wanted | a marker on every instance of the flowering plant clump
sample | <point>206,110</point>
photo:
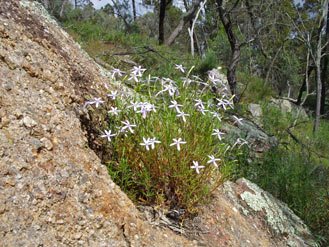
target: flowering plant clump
<point>167,146</point>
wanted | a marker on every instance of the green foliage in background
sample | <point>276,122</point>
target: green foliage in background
<point>293,178</point>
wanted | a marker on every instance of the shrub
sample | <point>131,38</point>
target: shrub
<point>255,91</point>
<point>166,143</point>
<point>209,62</point>
<point>294,179</point>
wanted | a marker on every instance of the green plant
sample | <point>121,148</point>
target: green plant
<point>167,148</point>
<point>209,62</point>
<point>294,179</point>
<point>254,89</point>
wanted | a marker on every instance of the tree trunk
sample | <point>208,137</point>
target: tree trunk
<point>318,67</point>
<point>186,18</point>
<point>231,73</point>
<point>134,9</point>
<point>62,9</point>
<point>318,87</point>
<point>303,87</point>
<point>46,4</point>
<point>75,4</point>
<point>235,50</point>
<point>195,41</point>
<point>324,73</point>
<point>162,14</point>
<point>273,61</point>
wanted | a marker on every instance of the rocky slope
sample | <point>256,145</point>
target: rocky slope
<point>54,190</point>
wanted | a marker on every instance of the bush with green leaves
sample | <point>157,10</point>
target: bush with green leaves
<point>166,144</point>
<point>253,89</point>
<point>293,178</point>
<point>209,62</point>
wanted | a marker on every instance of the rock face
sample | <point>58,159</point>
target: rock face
<point>258,139</point>
<point>242,214</point>
<point>287,107</point>
<point>53,189</point>
<point>256,112</point>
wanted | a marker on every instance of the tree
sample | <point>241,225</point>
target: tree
<point>62,9</point>
<point>311,36</point>
<point>122,10</point>
<point>225,15</point>
<point>134,9</point>
<point>317,60</point>
<point>324,74</point>
<point>162,15</point>
<point>185,19</point>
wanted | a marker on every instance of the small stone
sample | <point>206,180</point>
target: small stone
<point>11,182</point>
<point>2,208</point>
<point>4,122</point>
<point>29,122</point>
<point>81,198</point>
<point>47,143</point>
<point>77,235</point>
<point>8,86</point>
<point>18,113</point>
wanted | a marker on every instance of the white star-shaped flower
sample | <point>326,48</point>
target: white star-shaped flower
<point>146,143</point>
<point>229,103</point>
<point>113,94</point>
<point>196,166</point>
<point>133,77</point>
<point>114,111</point>
<point>177,142</point>
<point>168,87</point>
<point>116,72</point>
<point>138,71</point>
<point>199,103</point>
<point>175,105</point>
<point>180,67</point>
<point>213,160</point>
<point>135,105</point>
<point>218,134</point>
<point>212,78</point>
<point>238,120</point>
<point>153,141</point>
<point>221,104</point>
<point>182,115</point>
<point>96,101</point>
<point>242,141</point>
<point>202,110</point>
<point>108,135</point>
<point>145,107</point>
<point>216,115</point>
<point>128,126</point>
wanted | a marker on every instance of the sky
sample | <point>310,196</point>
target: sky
<point>100,3</point>
<point>140,9</point>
